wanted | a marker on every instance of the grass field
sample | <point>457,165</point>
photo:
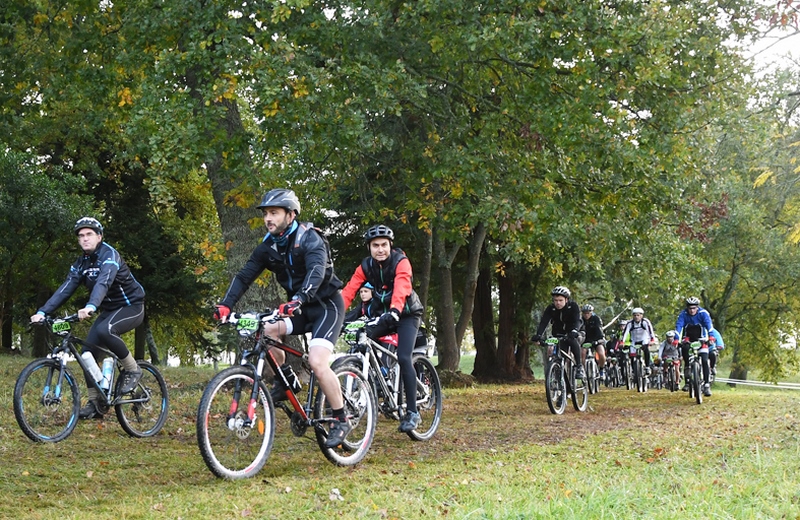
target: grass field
<point>499,453</point>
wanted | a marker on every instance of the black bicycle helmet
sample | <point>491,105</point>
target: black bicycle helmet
<point>560,290</point>
<point>692,300</point>
<point>379,231</point>
<point>88,222</point>
<point>587,308</point>
<point>280,198</point>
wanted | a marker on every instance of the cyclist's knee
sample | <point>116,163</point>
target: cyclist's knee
<point>319,354</point>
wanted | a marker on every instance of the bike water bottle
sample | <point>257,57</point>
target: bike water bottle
<point>108,373</point>
<point>91,365</point>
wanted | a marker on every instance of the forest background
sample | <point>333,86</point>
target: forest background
<point>631,150</point>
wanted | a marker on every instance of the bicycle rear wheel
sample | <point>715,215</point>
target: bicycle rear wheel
<point>362,411</point>
<point>556,388</point>
<point>44,411</point>
<point>231,446</point>
<point>429,399</point>
<point>147,414</point>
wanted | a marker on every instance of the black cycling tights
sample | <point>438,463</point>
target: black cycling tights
<point>110,325</point>
<point>575,347</point>
<point>406,329</point>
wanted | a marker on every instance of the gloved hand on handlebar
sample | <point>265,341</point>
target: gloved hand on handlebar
<point>536,338</point>
<point>573,334</point>
<point>290,308</point>
<point>221,313</point>
<point>390,318</point>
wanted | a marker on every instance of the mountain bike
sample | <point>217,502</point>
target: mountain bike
<point>627,370</point>
<point>236,415</point>
<point>613,372</point>
<point>47,398</point>
<point>696,370</point>
<point>657,377</point>
<point>591,367</point>
<point>672,373</point>
<point>560,378</point>
<point>637,367</point>
<point>378,360</point>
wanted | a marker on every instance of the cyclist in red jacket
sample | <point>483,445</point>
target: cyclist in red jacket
<point>389,272</point>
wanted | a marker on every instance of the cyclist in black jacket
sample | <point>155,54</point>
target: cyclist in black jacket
<point>114,289</point>
<point>299,257</point>
<point>593,329</point>
<point>565,315</point>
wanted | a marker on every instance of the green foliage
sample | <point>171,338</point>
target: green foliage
<point>602,144</point>
<point>38,207</point>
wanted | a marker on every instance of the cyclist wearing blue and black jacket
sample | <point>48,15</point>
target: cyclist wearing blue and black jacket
<point>298,255</point>
<point>694,323</point>
<point>114,290</point>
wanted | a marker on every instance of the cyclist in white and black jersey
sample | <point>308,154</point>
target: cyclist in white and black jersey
<point>640,330</point>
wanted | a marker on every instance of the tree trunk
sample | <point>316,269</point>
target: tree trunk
<point>486,365</point>
<point>738,369</point>
<point>505,326</point>
<point>238,238</point>
<point>471,282</point>
<point>449,355</point>
<point>7,325</point>
<point>424,273</point>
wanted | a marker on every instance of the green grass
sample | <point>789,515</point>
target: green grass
<point>498,454</point>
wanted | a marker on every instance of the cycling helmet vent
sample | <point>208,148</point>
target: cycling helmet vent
<point>280,198</point>
<point>88,222</point>
<point>379,231</point>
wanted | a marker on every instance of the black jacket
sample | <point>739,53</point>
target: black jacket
<point>106,275</point>
<point>593,328</point>
<point>302,265</point>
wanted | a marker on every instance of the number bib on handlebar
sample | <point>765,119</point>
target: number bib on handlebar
<point>699,346</point>
<point>247,325</point>
<point>61,327</point>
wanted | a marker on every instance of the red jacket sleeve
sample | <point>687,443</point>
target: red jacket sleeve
<point>402,284</point>
<point>351,289</point>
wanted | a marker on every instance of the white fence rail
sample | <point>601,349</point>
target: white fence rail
<point>786,386</point>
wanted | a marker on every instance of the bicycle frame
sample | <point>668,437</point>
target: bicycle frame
<point>67,347</point>
<point>263,353</point>
<point>562,354</point>
<point>369,350</point>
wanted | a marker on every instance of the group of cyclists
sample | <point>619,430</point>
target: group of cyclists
<point>580,326</point>
<point>299,256</point>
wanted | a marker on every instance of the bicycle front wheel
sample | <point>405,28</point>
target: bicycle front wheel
<point>591,374</point>
<point>144,412</point>
<point>232,446</point>
<point>697,382</point>
<point>45,411</point>
<point>361,410</point>
<point>556,388</point>
<point>429,399</point>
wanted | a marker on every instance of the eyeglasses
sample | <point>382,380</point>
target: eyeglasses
<point>692,308</point>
